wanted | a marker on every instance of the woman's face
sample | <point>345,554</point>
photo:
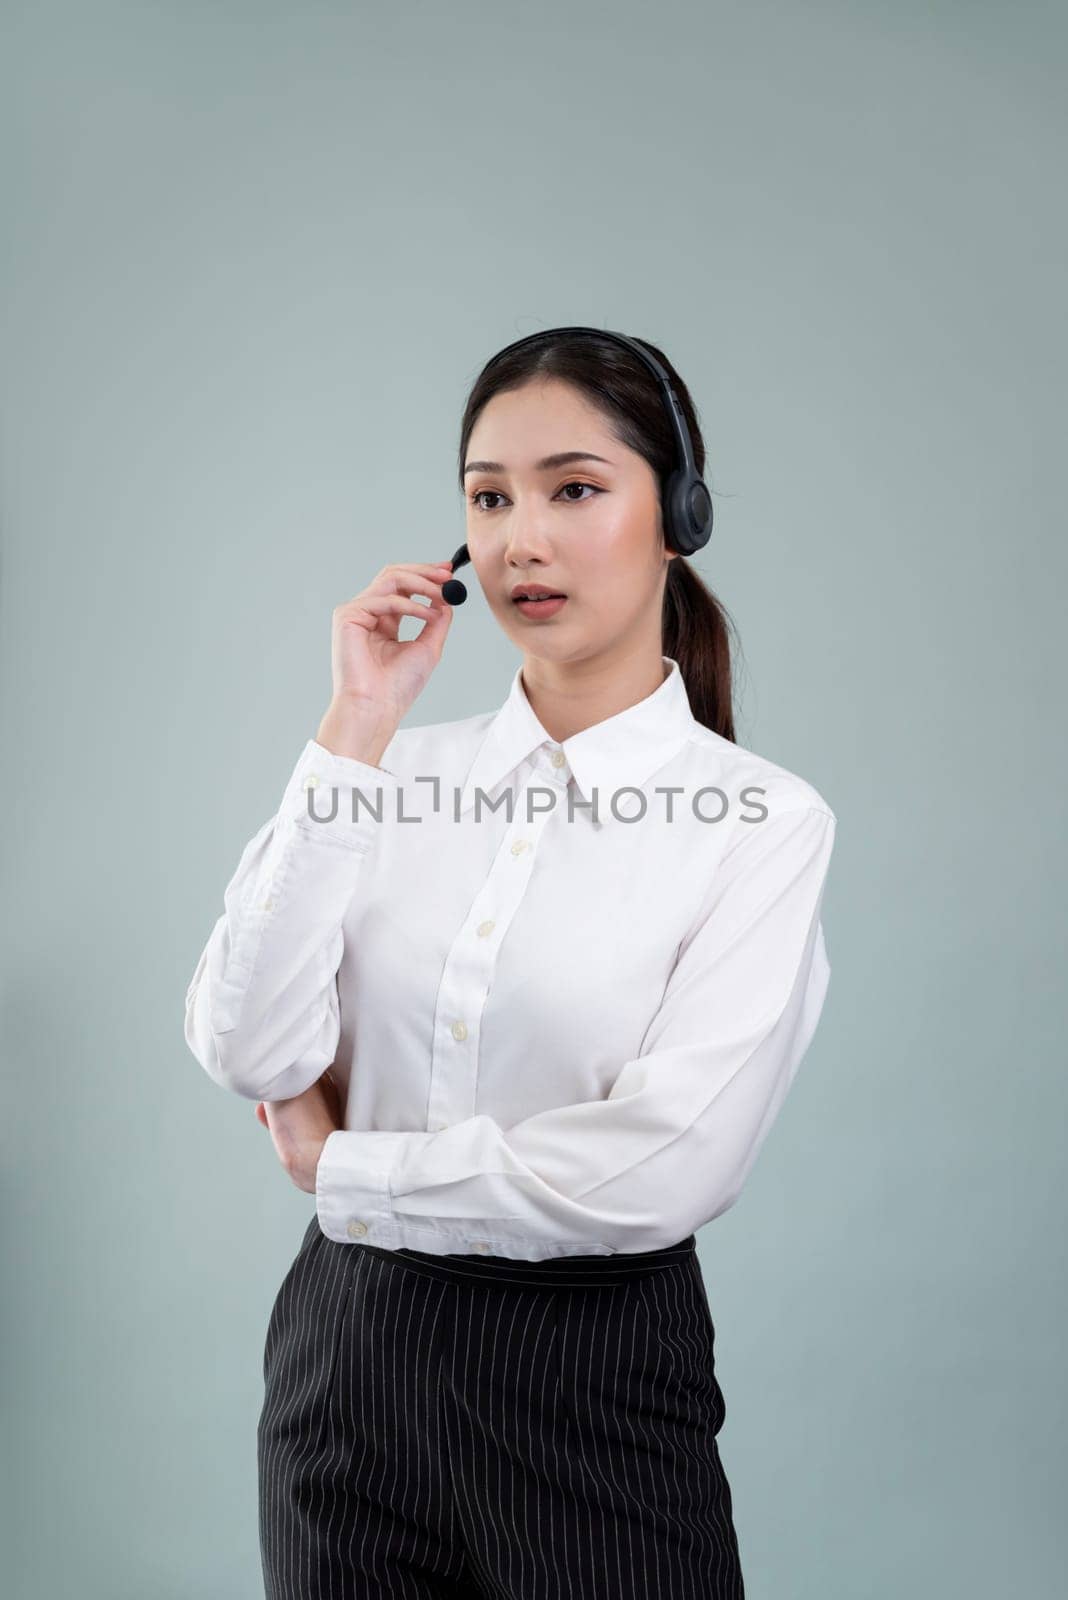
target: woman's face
<point>587,528</point>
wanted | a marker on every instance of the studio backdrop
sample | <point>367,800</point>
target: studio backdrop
<point>254,256</point>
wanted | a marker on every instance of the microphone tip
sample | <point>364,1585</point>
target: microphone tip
<point>453,592</point>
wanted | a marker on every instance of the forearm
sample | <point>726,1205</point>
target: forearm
<point>262,1013</point>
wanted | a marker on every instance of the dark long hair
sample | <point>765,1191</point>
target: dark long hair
<point>696,627</point>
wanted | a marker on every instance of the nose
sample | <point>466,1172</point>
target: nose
<point>526,540</point>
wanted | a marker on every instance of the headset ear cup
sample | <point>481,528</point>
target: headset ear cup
<point>674,522</point>
<point>700,508</point>
<point>687,513</point>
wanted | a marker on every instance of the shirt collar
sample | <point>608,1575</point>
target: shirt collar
<point>625,749</point>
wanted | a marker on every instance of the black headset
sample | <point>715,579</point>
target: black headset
<point>687,504</point>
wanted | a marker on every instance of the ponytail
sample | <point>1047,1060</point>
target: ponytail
<point>697,634</point>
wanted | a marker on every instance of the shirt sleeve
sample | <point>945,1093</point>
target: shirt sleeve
<point>261,1011</point>
<point>671,1144</point>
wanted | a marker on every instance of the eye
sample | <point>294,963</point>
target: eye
<point>579,485</point>
<point>475,499</point>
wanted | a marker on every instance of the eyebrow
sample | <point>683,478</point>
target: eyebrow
<point>561,459</point>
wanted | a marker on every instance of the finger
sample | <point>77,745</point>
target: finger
<point>411,572</point>
<point>390,605</point>
<point>429,567</point>
<point>407,580</point>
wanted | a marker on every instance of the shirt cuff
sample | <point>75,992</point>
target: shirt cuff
<point>337,799</point>
<point>352,1195</point>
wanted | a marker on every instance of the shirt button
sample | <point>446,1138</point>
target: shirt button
<point>268,903</point>
<point>311,780</point>
<point>459,1030</point>
<point>519,846</point>
<point>558,758</point>
<point>486,927</point>
<point>356,1230</point>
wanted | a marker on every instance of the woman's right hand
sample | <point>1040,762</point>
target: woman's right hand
<point>378,677</point>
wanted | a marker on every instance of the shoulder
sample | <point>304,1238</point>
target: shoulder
<point>748,778</point>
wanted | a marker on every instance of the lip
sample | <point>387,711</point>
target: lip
<point>540,610</point>
<point>534,590</point>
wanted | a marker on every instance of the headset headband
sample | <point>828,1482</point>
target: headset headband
<point>678,421</point>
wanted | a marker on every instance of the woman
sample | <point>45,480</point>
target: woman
<point>519,997</point>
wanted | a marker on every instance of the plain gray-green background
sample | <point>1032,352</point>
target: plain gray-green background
<point>253,255</point>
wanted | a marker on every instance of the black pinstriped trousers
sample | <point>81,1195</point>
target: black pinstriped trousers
<point>474,1426</point>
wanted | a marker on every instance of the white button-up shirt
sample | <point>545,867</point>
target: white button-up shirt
<point>564,988</point>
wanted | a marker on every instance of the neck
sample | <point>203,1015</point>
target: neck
<point>569,696</point>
